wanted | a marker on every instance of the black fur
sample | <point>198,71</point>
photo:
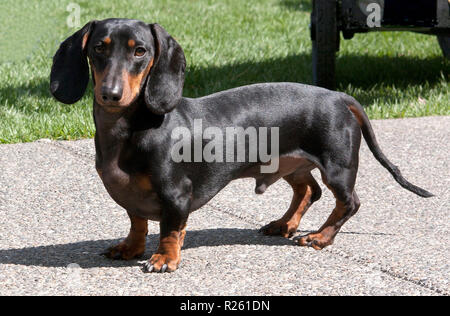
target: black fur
<point>318,128</point>
<point>70,71</point>
<point>164,91</point>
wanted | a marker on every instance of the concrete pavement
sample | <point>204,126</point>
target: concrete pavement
<point>56,217</point>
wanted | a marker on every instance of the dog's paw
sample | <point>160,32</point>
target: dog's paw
<point>124,251</point>
<point>279,228</point>
<point>317,241</point>
<point>161,263</point>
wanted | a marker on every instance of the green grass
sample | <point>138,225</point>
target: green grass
<point>228,43</point>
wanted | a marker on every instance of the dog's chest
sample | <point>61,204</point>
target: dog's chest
<point>132,190</point>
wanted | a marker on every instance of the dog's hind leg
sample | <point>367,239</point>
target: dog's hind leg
<point>306,192</point>
<point>347,204</point>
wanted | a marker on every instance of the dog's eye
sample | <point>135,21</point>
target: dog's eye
<point>139,52</point>
<point>99,49</point>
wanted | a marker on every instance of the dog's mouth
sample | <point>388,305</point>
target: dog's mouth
<point>122,94</point>
<point>113,108</point>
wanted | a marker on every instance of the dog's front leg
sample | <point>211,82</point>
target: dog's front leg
<point>172,226</point>
<point>168,256</point>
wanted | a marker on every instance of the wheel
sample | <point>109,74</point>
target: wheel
<point>325,42</point>
<point>444,42</point>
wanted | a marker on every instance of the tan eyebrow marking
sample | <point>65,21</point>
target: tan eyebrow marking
<point>107,41</point>
<point>131,43</point>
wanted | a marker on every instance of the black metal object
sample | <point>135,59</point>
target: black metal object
<point>444,42</point>
<point>331,17</point>
<point>419,13</point>
<point>325,38</point>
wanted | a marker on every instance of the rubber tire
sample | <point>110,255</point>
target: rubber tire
<point>325,43</point>
<point>444,42</point>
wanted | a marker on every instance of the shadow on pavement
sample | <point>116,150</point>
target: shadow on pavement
<point>87,253</point>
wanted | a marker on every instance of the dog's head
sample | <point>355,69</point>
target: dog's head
<point>127,58</point>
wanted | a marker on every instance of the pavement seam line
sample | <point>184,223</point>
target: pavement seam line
<point>79,153</point>
<point>3,197</point>
<point>242,218</point>
<point>386,270</point>
<point>86,157</point>
<point>358,260</point>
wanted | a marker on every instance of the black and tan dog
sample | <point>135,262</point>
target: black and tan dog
<point>138,73</point>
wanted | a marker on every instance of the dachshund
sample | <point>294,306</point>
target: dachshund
<point>138,73</point>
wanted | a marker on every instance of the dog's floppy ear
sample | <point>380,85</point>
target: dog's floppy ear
<point>70,71</point>
<point>164,86</point>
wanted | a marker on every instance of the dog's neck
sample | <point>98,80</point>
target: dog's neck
<point>136,117</point>
<point>114,129</point>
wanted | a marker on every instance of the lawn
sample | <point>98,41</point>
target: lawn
<point>228,43</point>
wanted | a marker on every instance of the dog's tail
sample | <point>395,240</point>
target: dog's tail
<point>371,141</point>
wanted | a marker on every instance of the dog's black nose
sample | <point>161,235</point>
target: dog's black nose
<point>111,94</point>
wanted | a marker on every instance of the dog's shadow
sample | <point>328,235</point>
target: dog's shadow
<point>87,254</point>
